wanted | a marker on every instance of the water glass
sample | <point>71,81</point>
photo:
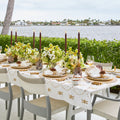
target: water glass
<point>107,66</point>
<point>90,60</point>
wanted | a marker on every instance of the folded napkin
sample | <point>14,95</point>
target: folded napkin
<point>93,71</point>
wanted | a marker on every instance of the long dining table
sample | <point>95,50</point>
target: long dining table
<point>79,95</point>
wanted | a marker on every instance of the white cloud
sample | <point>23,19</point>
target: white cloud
<point>55,10</point>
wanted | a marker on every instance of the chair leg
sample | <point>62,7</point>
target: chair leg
<point>28,98</point>
<point>108,92</point>
<point>34,117</point>
<point>22,110</point>
<point>18,107</point>
<point>73,117</point>
<point>118,95</point>
<point>6,105</point>
<point>6,100</point>
<point>38,96</point>
<point>48,118</point>
<point>88,115</point>
<point>9,109</point>
<point>69,113</point>
<point>34,96</point>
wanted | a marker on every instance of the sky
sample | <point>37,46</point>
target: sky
<point>46,10</point>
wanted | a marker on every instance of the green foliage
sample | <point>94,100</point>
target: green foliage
<point>103,51</point>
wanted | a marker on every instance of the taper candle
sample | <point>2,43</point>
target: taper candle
<point>40,42</point>
<point>11,37</point>
<point>65,42</point>
<point>33,39</point>
<point>16,36</point>
<point>78,44</point>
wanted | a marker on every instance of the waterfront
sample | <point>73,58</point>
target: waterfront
<point>91,32</point>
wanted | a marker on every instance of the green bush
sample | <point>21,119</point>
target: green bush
<point>103,51</point>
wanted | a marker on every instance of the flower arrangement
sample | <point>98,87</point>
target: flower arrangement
<point>33,56</point>
<point>22,51</point>
<point>71,59</point>
<point>51,55</point>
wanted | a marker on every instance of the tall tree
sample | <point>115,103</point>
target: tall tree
<point>8,17</point>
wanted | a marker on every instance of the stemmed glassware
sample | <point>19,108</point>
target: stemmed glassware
<point>90,60</point>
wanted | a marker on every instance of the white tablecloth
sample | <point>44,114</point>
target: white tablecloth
<point>75,95</point>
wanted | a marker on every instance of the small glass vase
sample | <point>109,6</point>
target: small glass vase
<point>12,59</point>
<point>51,67</point>
<point>39,65</point>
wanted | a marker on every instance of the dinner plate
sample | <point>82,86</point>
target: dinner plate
<point>3,59</point>
<point>20,67</point>
<point>54,76</point>
<point>105,78</point>
<point>100,80</point>
<point>5,65</point>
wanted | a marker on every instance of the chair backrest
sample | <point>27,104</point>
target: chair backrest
<point>32,85</point>
<point>4,75</point>
<point>13,78</point>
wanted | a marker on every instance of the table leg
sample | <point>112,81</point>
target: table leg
<point>69,113</point>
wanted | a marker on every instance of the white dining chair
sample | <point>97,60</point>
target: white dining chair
<point>108,108</point>
<point>10,92</point>
<point>43,106</point>
<point>106,67</point>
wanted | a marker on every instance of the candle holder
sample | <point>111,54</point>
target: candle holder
<point>39,64</point>
<point>78,69</point>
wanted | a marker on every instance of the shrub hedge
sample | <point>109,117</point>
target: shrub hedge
<point>103,51</point>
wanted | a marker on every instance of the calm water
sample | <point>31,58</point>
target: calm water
<point>91,32</point>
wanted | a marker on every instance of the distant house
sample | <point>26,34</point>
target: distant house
<point>20,23</point>
<point>77,24</point>
<point>55,23</point>
<point>101,24</point>
<point>83,24</point>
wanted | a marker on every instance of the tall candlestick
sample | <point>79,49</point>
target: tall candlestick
<point>33,39</point>
<point>16,36</point>
<point>65,42</point>
<point>40,42</point>
<point>11,37</point>
<point>78,45</point>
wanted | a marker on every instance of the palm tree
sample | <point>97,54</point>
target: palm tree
<point>8,17</point>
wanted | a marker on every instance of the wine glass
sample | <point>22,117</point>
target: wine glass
<point>0,49</point>
<point>90,60</point>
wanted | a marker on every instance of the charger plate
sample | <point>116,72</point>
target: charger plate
<point>105,78</point>
<point>54,76</point>
<point>3,60</point>
<point>101,80</point>
<point>6,65</point>
<point>20,67</point>
<point>23,69</point>
<point>60,79</point>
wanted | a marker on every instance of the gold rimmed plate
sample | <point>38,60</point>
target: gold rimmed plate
<point>100,80</point>
<point>20,67</point>
<point>54,76</point>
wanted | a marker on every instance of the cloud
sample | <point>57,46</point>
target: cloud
<point>54,9</point>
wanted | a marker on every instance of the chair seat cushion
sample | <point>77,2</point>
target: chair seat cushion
<point>56,105</point>
<point>15,90</point>
<point>108,109</point>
